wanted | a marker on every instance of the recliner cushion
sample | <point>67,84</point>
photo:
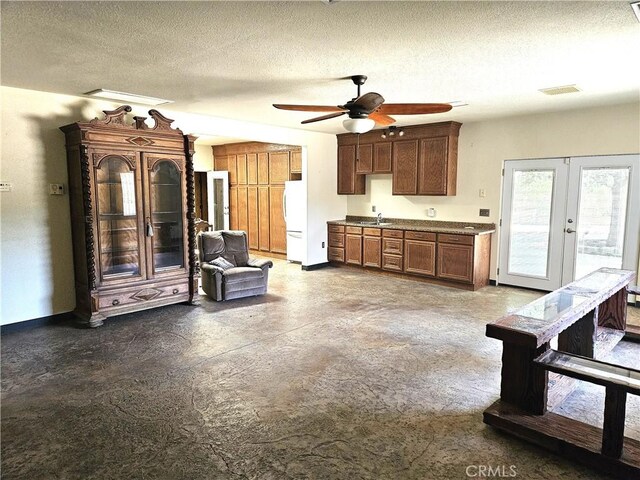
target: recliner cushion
<point>236,246</point>
<point>241,274</point>
<point>212,245</point>
<point>222,263</point>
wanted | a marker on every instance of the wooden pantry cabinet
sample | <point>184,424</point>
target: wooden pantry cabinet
<point>257,172</point>
<point>423,161</point>
<point>131,192</point>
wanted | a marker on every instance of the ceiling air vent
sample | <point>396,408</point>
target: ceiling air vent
<point>560,90</point>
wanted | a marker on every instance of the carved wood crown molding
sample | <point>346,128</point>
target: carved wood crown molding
<point>116,118</point>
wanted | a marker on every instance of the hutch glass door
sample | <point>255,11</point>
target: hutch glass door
<point>166,216</point>
<point>119,246</point>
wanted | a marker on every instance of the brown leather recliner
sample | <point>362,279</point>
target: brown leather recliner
<point>227,270</point>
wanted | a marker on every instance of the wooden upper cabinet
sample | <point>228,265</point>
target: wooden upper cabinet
<point>364,159</point>
<point>278,167</point>
<point>405,167</point>
<point>220,162</point>
<point>243,215</point>
<point>348,182</point>
<point>434,168</point>
<point>241,169</point>
<point>382,157</point>
<point>263,169</point>
<point>232,168</point>
<point>296,161</point>
<point>252,169</point>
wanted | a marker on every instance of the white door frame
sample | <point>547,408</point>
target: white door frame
<point>224,176</point>
<point>552,279</point>
<point>632,224</point>
<point>564,212</point>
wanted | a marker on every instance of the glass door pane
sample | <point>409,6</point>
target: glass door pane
<point>167,216</point>
<point>119,249</point>
<point>602,213</point>
<point>218,191</point>
<point>530,222</point>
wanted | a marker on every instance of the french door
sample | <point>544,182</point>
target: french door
<point>562,218</point>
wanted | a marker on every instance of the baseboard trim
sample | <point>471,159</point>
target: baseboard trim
<point>35,323</point>
<point>316,266</point>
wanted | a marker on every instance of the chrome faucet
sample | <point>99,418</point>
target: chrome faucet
<point>379,219</point>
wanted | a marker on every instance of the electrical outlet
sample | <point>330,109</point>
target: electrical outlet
<point>56,189</point>
<point>484,212</point>
<point>322,244</point>
<point>373,208</point>
<point>6,187</point>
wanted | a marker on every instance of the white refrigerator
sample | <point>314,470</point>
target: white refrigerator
<point>294,216</point>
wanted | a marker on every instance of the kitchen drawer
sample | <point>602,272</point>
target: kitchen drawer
<point>392,262</point>
<point>336,240</point>
<point>427,236</point>
<point>392,245</point>
<point>336,254</point>
<point>140,295</point>
<point>354,230</point>
<point>336,228</point>
<point>457,239</point>
<point>371,232</point>
<point>392,233</point>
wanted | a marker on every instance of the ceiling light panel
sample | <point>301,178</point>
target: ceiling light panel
<point>560,90</point>
<point>127,97</point>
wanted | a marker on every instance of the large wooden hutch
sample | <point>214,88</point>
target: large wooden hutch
<point>132,203</point>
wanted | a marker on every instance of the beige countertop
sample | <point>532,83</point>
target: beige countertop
<point>456,228</point>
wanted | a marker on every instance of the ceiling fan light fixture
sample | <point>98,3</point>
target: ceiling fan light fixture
<point>358,125</point>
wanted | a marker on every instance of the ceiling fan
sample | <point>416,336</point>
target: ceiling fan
<point>366,110</point>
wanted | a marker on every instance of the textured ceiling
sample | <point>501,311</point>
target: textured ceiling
<point>235,59</point>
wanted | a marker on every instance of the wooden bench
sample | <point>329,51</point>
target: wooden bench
<point>617,380</point>
<point>588,318</point>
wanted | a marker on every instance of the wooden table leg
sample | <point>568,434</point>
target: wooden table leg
<point>612,313</point>
<point>523,383</point>
<point>613,427</point>
<point>580,337</point>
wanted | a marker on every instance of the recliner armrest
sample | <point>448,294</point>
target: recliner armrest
<point>259,263</point>
<point>211,269</point>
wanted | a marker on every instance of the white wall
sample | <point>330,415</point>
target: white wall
<point>36,261</point>
<point>483,147</point>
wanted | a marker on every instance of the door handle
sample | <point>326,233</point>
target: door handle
<point>570,230</point>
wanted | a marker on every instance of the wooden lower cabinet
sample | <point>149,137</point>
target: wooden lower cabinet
<point>277,226</point>
<point>263,219</point>
<point>353,248</point>
<point>253,215</point>
<point>420,257</point>
<point>371,252</point>
<point>461,260</point>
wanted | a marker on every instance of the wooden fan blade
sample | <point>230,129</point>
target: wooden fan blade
<point>309,108</point>
<point>414,108</point>
<point>367,102</point>
<point>324,117</point>
<point>381,118</point>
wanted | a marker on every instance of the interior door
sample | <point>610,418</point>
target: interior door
<point>566,217</point>
<point>218,201</point>
<point>533,218</point>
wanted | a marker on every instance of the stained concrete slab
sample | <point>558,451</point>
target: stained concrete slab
<point>334,374</point>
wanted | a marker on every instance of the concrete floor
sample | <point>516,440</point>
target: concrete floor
<point>334,374</point>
